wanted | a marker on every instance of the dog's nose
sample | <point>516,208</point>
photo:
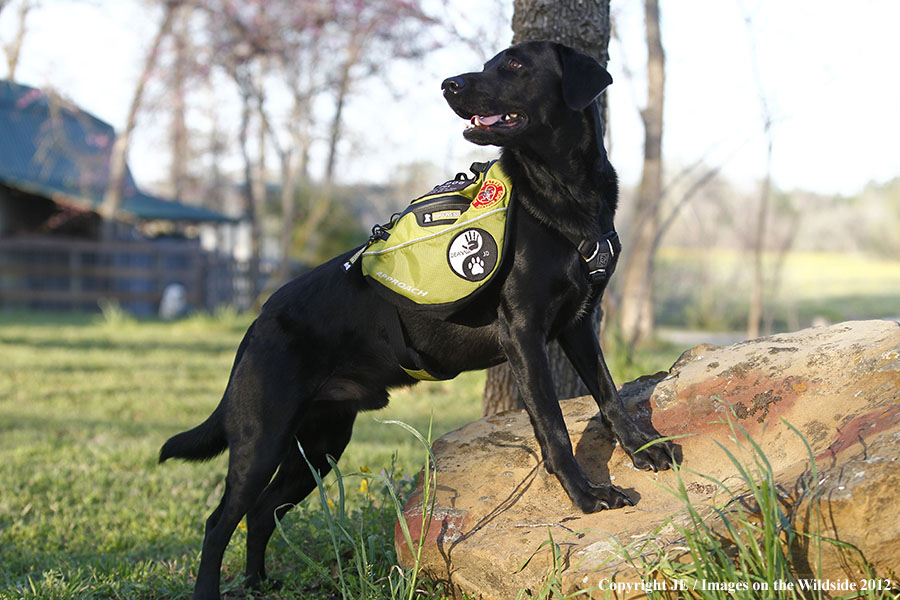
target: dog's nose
<point>453,84</point>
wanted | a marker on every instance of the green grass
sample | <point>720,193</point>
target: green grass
<point>709,290</point>
<point>85,403</point>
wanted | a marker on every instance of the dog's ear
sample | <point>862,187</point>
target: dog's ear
<point>582,78</point>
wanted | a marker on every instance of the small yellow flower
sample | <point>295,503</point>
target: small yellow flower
<point>242,525</point>
<point>330,503</point>
<point>365,469</point>
<point>364,486</point>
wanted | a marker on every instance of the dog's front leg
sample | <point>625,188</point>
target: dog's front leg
<point>526,351</point>
<point>582,348</point>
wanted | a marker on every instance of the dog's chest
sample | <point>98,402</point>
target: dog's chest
<point>550,278</point>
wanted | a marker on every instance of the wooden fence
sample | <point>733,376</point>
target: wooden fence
<point>43,272</point>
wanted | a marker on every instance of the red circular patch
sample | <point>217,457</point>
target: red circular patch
<point>490,193</point>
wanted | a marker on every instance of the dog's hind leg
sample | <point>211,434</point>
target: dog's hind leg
<point>250,468</point>
<point>263,404</point>
<point>583,350</point>
<point>321,434</point>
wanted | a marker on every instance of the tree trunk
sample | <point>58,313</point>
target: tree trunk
<point>335,133</point>
<point>251,201</point>
<point>289,183</point>
<point>755,312</point>
<point>636,306</point>
<point>294,169</point>
<point>584,26</point>
<point>112,198</point>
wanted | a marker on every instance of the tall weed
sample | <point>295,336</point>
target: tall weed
<point>749,545</point>
<point>366,564</point>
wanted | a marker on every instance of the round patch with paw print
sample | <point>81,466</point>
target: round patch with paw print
<point>472,254</point>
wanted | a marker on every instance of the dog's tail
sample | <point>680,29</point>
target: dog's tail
<point>203,442</point>
<point>207,440</point>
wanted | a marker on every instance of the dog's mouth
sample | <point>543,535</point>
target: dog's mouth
<point>494,129</point>
<point>496,122</point>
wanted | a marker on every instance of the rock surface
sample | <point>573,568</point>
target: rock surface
<point>840,386</point>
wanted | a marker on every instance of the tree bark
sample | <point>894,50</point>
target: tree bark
<point>584,26</point>
<point>636,306</point>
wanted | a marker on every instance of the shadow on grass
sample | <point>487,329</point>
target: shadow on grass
<point>138,346</point>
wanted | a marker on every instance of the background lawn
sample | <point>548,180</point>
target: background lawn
<point>710,291</point>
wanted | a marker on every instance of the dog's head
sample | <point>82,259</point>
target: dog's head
<point>525,90</point>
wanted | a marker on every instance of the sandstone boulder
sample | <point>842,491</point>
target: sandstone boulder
<point>496,507</point>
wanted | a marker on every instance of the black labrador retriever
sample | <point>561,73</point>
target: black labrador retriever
<point>319,351</point>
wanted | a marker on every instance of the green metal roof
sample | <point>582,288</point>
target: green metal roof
<point>51,148</point>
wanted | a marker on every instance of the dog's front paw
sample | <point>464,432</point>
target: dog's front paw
<point>658,457</point>
<point>600,496</point>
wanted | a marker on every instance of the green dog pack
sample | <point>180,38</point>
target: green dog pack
<point>445,246</point>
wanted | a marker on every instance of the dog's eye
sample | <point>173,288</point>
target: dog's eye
<point>514,64</point>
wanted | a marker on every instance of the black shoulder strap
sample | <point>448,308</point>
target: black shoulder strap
<point>408,359</point>
<point>600,256</point>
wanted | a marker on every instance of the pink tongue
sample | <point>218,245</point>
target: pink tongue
<point>487,121</point>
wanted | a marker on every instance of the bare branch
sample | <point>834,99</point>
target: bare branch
<point>14,48</point>
<point>112,198</point>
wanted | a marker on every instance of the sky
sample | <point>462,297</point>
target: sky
<point>827,70</point>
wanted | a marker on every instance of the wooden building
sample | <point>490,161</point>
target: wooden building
<point>54,162</point>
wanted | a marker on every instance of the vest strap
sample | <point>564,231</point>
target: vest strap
<point>600,256</point>
<point>410,360</point>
